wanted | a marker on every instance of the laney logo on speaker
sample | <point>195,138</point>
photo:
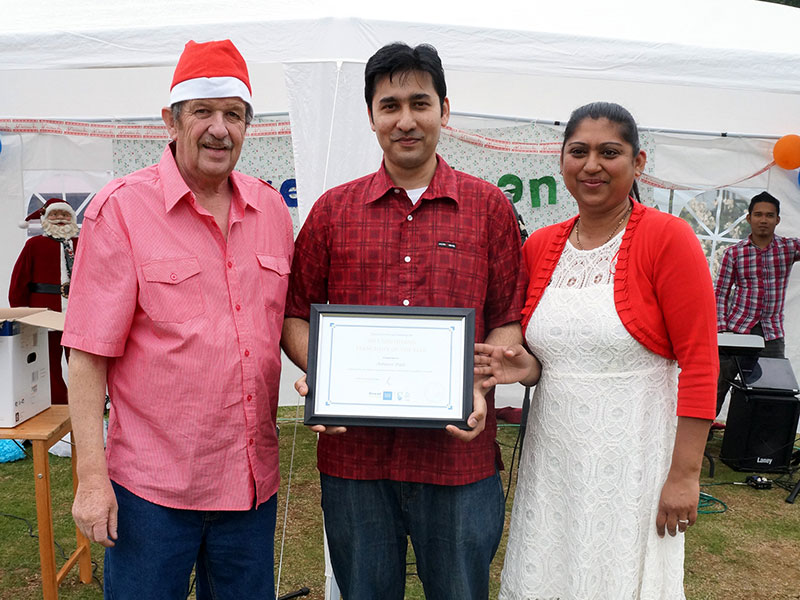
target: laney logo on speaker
<point>761,460</point>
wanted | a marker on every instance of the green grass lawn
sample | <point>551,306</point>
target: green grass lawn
<point>750,551</point>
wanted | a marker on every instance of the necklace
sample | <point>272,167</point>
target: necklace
<point>610,235</point>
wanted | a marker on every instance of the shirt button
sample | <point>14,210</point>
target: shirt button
<point>252,441</point>
<point>173,276</point>
<point>407,259</point>
<point>406,303</point>
<point>410,218</point>
<point>230,264</point>
<point>396,191</point>
<point>247,352</point>
<point>238,307</point>
<point>249,397</point>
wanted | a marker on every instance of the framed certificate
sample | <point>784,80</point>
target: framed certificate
<point>390,366</point>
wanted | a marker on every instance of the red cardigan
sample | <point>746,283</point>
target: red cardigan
<point>662,292</point>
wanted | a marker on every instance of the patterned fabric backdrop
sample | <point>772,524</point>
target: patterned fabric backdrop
<point>267,156</point>
<point>523,161</point>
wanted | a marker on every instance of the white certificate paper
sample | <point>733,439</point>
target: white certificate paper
<point>391,366</point>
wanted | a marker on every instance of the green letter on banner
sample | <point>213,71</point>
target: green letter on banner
<point>536,185</point>
<point>511,179</point>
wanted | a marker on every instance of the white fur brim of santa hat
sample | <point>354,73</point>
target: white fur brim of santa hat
<point>210,87</point>
<point>58,206</point>
<point>210,70</point>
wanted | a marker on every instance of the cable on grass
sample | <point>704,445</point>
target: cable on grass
<point>708,505</point>
<point>64,556</point>
<point>511,466</point>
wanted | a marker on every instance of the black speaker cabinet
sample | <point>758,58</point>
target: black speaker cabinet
<point>760,432</point>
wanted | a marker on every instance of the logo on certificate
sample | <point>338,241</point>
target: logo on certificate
<point>387,396</point>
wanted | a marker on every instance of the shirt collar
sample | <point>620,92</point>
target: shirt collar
<point>749,241</point>
<point>443,185</point>
<point>175,188</point>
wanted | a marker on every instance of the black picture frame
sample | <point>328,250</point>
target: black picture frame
<point>331,377</point>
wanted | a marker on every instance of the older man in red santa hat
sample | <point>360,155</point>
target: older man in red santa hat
<point>176,308</point>
<point>42,273</point>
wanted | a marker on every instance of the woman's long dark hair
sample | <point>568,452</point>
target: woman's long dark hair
<point>614,113</point>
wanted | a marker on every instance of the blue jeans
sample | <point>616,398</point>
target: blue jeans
<point>455,532</point>
<point>157,547</point>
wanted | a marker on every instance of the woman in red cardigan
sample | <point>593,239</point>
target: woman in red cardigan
<point>620,314</point>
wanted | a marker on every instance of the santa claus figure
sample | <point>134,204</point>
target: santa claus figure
<point>42,273</point>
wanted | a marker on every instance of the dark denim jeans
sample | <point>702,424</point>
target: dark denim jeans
<point>157,547</point>
<point>455,531</point>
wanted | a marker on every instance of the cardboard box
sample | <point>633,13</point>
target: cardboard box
<point>25,362</point>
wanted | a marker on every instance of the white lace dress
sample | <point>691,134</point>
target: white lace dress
<point>597,451</point>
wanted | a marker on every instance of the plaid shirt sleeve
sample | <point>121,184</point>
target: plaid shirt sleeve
<point>308,280</point>
<point>722,288</point>
<point>507,279</point>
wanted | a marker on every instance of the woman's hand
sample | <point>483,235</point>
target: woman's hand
<point>677,507</point>
<point>505,364</point>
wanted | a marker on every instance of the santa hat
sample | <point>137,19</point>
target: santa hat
<point>48,207</point>
<point>210,70</point>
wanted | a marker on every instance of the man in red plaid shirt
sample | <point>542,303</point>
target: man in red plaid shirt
<point>751,285</point>
<point>415,233</point>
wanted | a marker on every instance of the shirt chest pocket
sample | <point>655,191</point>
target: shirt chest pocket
<point>462,267</point>
<point>172,291</point>
<point>274,280</point>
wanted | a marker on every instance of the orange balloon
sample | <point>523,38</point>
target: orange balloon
<point>787,152</point>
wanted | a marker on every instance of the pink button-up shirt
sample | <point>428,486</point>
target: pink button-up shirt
<point>191,324</point>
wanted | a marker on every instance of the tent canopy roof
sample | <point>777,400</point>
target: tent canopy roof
<point>747,25</point>
<point>524,59</point>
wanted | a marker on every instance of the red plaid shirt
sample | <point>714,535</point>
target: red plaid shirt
<point>751,285</point>
<point>365,243</point>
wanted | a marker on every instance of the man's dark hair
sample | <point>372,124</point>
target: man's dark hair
<point>765,197</point>
<point>401,59</point>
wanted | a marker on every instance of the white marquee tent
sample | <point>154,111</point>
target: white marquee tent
<point>719,66</point>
